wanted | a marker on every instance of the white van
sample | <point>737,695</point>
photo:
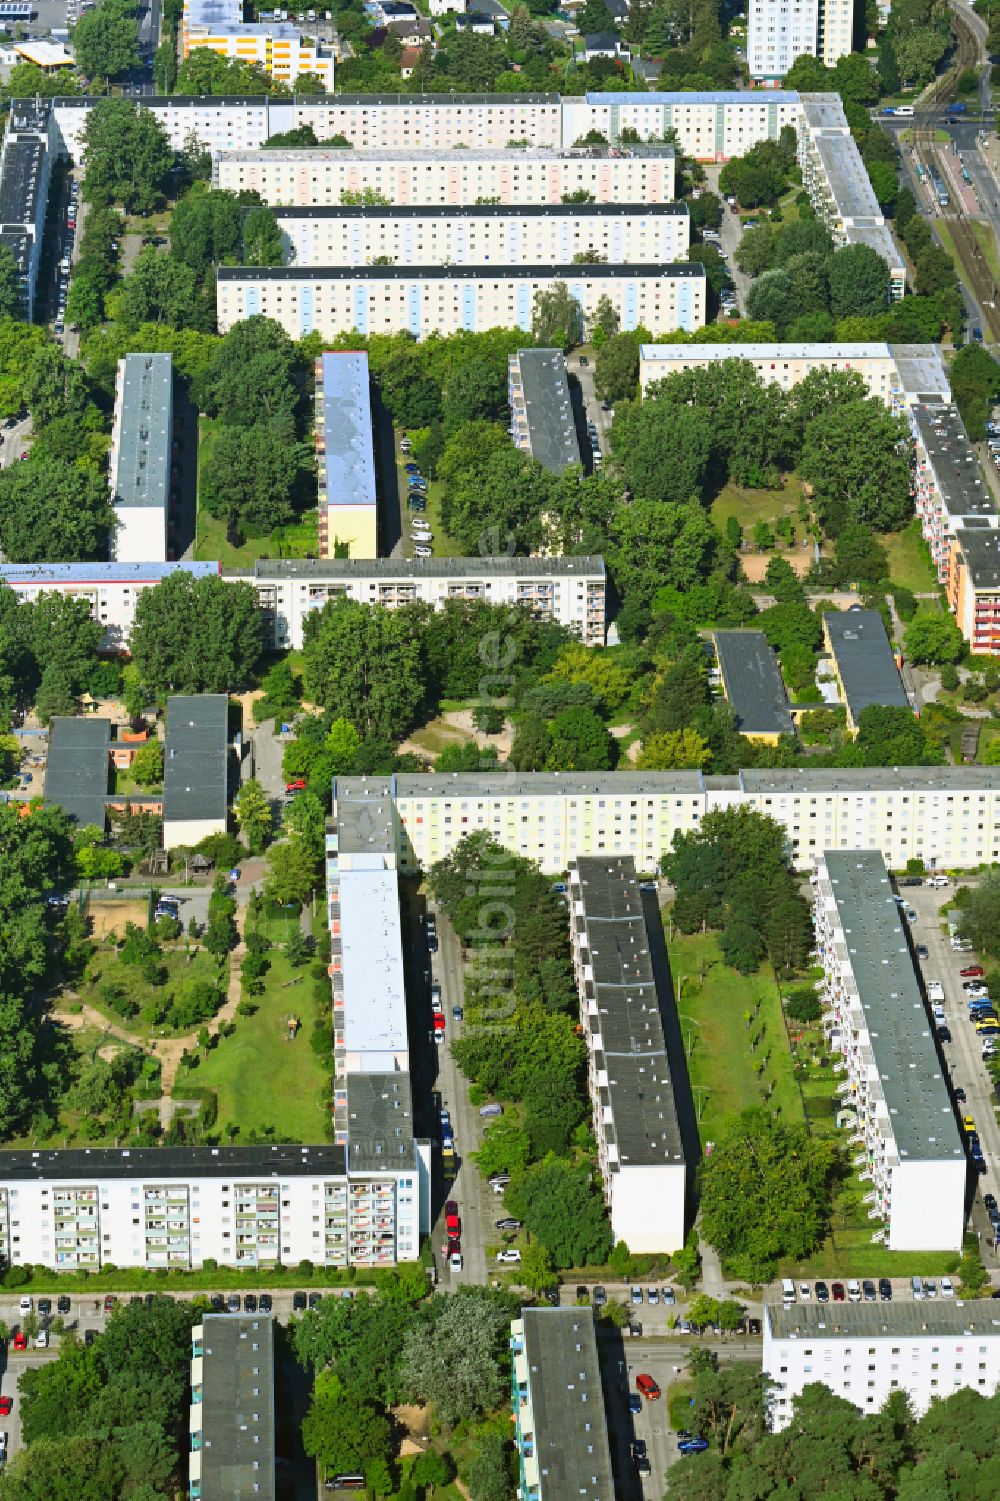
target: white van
<point>917,1288</point>
<point>787,1291</point>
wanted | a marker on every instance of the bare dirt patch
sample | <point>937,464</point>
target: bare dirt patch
<point>108,919</point>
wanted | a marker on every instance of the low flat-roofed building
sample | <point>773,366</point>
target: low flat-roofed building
<point>634,1110</point>
<point>542,409</point>
<point>348,500</point>
<point>77,768</point>
<point>195,768</point>
<point>875,1015</point>
<point>560,1424</point>
<point>926,1349</point>
<point>232,1421</point>
<point>752,683</point>
<point>140,457</point>
<point>864,662</point>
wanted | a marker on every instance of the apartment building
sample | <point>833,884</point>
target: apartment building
<point>904,1127</point>
<point>753,686</point>
<point>277,47</point>
<point>864,663</point>
<point>974,586</point>
<point>710,126</point>
<point>486,234</point>
<point>837,182</point>
<point>456,178</point>
<point>345,457</point>
<point>541,408</point>
<point>446,299</point>
<point>779,31</point>
<point>139,462</point>
<point>951,493</point>
<point>901,375</point>
<point>232,1418</point>
<point>946,816</point>
<point>560,1423</point>
<point>863,1352</point>
<point>623,996</point>
<point>26,156</point>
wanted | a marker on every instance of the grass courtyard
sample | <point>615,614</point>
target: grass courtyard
<point>106,971</point>
<point>910,559</point>
<point>211,543</point>
<point>263,1078</point>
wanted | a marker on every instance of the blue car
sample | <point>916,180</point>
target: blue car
<point>634,1402</point>
<point>693,1445</point>
<point>412,468</point>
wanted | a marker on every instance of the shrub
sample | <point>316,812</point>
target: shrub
<point>803,1006</point>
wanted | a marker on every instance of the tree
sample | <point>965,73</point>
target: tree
<point>652,545</point>
<point>580,742</point>
<point>256,376</point>
<point>594,19</point>
<point>489,1472</point>
<point>616,372</point>
<point>459,1366</point>
<point>51,510</point>
<point>147,765</point>
<point>205,229</point>
<point>160,289</point>
<point>363,664</point>
<point>933,639</point>
<point>291,872</point>
<point>253,478</point>
<point>253,815</point>
<point>559,1205</point>
<point>263,244</point>
<point>195,635</point>
<point>674,750</point>
<point>11,299</point>
<point>127,155</point>
<point>859,282</point>
<point>106,40</point>
<point>663,448</point>
<point>783,1178</point>
<point>855,457</point>
<point>557,318</point>
<point>537,1272</point>
<point>342,1434</point>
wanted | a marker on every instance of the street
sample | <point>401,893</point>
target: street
<point>731,231</point>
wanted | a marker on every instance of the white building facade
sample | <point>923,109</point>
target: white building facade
<point>904,1127</point>
<point>444,300</point>
<point>864,1352</point>
<point>779,31</point>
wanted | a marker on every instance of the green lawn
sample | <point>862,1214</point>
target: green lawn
<point>713,1001</point>
<point>212,544</point>
<point>107,968</point>
<point>750,506</point>
<point>261,1078</point>
<point>910,559</point>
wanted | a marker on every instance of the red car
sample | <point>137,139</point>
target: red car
<point>972,972</point>
<point>299,785</point>
<point>838,1292</point>
<point>648,1387</point>
<point>20,1340</point>
<point>453,1225</point>
<point>6,1406</point>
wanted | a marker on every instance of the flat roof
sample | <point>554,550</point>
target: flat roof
<point>344,449</point>
<point>960,480</point>
<point>77,768</point>
<point>865,661</point>
<point>548,409</point>
<point>485,211</point>
<point>237,1407</point>
<point>675,270</point>
<point>921,1115</point>
<point>474,154</point>
<point>366,825</point>
<point>846,175</point>
<point>371,940</point>
<point>981,551</point>
<point>857,780</point>
<point>640,1093</point>
<point>763,99</point>
<point>710,352</point>
<point>196,762</point>
<point>417,568</point>
<point>20,178</point>
<point>570,1423</point>
<point>877,237</point>
<point>380,1122</point>
<point>941,1316</point>
<point>100,573</point>
<point>921,370</point>
<point>213,12</point>
<point>753,683</point>
<point>823,112</point>
<point>144,419</point>
<point>45,54</point>
<point>88,1164</point>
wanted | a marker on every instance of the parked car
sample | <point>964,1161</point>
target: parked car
<point>822,1293</point>
<point>509,1224</point>
<point>649,1388</point>
<point>45,1307</point>
<point>885,1289</point>
<point>636,1295</point>
<point>600,1296</point>
<point>634,1402</point>
<point>513,1256</point>
<point>868,1289</point>
<point>250,1303</point>
<point>26,1306</point>
<point>972,972</point>
<point>63,1303</point>
<point>692,1445</point>
<point>947,1288</point>
<point>6,1406</point>
<point>20,1340</point>
<point>298,1302</point>
<point>838,1292</point>
<point>233,1303</point>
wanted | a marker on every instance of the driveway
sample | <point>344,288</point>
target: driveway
<point>731,231</point>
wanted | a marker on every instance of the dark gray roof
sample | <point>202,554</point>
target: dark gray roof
<point>195,765</point>
<point>753,683</point>
<point>605,40</point>
<point>420,568</point>
<point>18,242</point>
<point>909,1071</point>
<point>639,1094</point>
<point>77,767</point>
<point>668,270</point>
<point>237,1407</point>
<point>865,663</point>
<point>548,409</point>
<point>570,1422</point>
<point>379,1123</point>
<point>981,551</point>
<point>962,486</point>
<point>20,179</point>
<point>899,1318</point>
<point>92,1163</point>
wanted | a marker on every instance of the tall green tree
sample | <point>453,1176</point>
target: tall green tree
<point>127,155</point>
<point>253,815</point>
<point>363,664</point>
<point>196,635</point>
<point>106,40</point>
<point>53,511</point>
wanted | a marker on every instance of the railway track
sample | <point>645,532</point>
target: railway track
<point>974,266</point>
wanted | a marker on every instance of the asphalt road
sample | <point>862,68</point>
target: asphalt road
<point>963,1058</point>
<point>15,442</point>
<point>731,232</point>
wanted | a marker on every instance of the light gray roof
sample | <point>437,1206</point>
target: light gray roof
<point>237,1407</point>
<point>877,237</point>
<point>345,456</point>
<point>365,825</point>
<point>823,112</point>
<point>865,662</point>
<point>142,473</point>
<point>753,683</point>
<point>420,568</point>
<point>921,370</point>
<point>921,1115</point>
<point>845,172</point>
<point>570,1427</point>
<point>195,767</point>
<point>548,409</point>
<point>941,1317</point>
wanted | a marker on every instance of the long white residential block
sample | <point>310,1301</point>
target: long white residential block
<point>875,1015</point>
<point>444,300</point>
<point>486,235</point>
<point>459,178</point>
<point>139,461</point>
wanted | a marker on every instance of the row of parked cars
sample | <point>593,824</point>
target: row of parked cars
<point>67,257</point>
<point>416,501</point>
<point>855,1292</point>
